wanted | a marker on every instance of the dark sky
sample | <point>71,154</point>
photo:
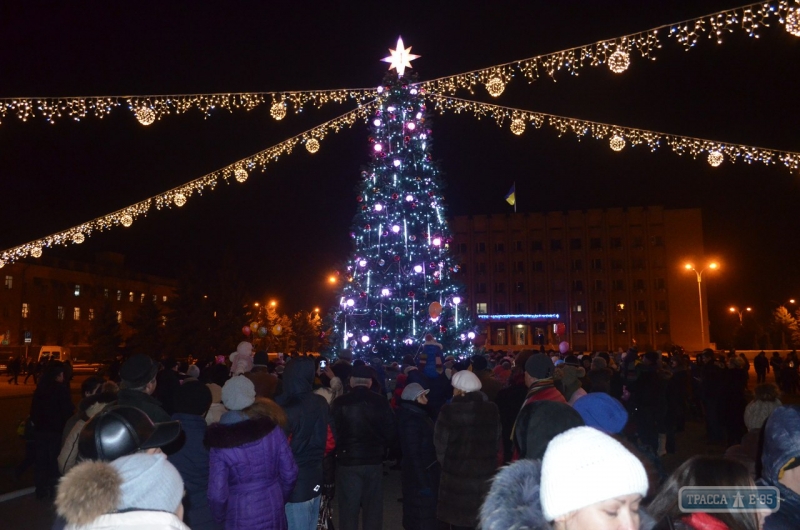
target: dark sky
<point>289,226</point>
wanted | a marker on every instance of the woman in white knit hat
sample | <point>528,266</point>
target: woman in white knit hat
<point>571,487</point>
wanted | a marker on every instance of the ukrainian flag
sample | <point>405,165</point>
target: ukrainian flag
<point>511,196</point>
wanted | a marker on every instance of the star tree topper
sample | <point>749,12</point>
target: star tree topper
<point>400,57</point>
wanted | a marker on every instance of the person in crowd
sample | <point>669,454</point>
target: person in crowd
<point>776,361</point>
<point>603,412</point>
<point>510,400</point>
<point>540,422</point>
<point>539,372</point>
<point>14,368</point>
<point>309,432</point>
<point>468,448</point>
<point>89,406</point>
<point>489,385</point>
<point>568,381</point>
<point>139,491</point>
<point>332,387</point>
<point>191,403</point>
<point>217,409</point>
<point>267,385</point>
<point>51,407</point>
<point>90,386</point>
<point>376,363</point>
<point>68,371</point>
<point>761,365</point>
<point>734,387</point>
<point>708,471</point>
<point>649,399</point>
<point>242,358</point>
<point>192,373</point>
<point>343,367</point>
<point>434,380</point>
<point>789,373</point>
<point>365,426</point>
<point>138,375</point>
<point>755,416</point>
<point>780,465</point>
<point>599,376</point>
<point>31,370</point>
<point>678,388</point>
<point>251,468</point>
<point>420,470</point>
<point>628,370</point>
<point>431,356</point>
<point>571,488</point>
<point>745,362</point>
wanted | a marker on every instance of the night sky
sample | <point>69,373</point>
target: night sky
<point>288,227</point>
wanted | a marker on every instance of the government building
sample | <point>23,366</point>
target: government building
<point>597,279</point>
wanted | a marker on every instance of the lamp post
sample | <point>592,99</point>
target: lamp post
<point>734,309</point>
<point>713,266</point>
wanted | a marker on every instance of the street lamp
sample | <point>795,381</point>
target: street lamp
<point>713,266</point>
<point>734,309</point>
<point>273,303</point>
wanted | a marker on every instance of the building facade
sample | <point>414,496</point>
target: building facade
<point>53,301</point>
<point>597,279</point>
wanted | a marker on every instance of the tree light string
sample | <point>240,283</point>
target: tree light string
<point>148,109</point>
<point>633,136</point>
<point>179,195</point>
<point>688,33</point>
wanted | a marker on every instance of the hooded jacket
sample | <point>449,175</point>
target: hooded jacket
<point>781,447</point>
<point>513,500</point>
<point>307,427</point>
<point>90,406</point>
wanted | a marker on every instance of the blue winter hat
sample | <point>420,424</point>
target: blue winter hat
<point>603,412</point>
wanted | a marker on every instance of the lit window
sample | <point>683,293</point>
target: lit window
<point>105,293</point>
<point>25,310</point>
<point>76,313</point>
<point>141,299</point>
<point>77,290</point>
<point>130,296</point>
<point>60,314</point>
<point>119,295</point>
<point>578,307</point>
<point>119,316</point>
<point>9,282</point>
<point>163,320</point>
<point>163,298</point>
<point>155,298</point>
<point>481,308</point>
<point>91,314</point>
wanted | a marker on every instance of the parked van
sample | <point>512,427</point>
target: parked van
<point>57,353</point>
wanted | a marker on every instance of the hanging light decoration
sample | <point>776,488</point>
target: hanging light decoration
<point>126,220</point>
<point>517,126</point>
<point>617,142</point>
<point>495,86</point>
<point>2,264</point>
<point>78,238</point>
<point>715,158</point>
<point>240,174</point>
<point>793,22</point>
<point>36,252</point>
<point>619,61</point>
<point>312,145</point>
<point>179,199</point>
<point>278,110</point>
<point>145,115</point>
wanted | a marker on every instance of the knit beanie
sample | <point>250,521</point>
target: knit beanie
<point>149,482</point>
<point>238,393</point>
<point>603,412</point>
<point>466,381</point>
<point>607,471</point>
<point>242,358</point>
<point>539,366</point>
<point>192,397</point>
<point>193,371</point>
<point>758,412</point>
<point>598,363</point>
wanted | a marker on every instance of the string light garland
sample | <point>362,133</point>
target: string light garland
<point>653,139</point>
<point>495,87</point>
<point>126,216</point>
<point>749,18</point>
<point>148,109</point>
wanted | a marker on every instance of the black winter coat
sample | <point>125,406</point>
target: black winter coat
<point>420,470</point>
<point>509,402</point>
<point>467,440</point>
<point>51,406</point>
<point>364,427</point>
<point>307,427</point>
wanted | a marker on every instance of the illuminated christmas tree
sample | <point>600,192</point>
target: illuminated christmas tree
<point>398,285</point>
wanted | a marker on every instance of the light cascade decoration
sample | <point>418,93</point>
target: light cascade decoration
<point>179,195</point>
<point>148,109</point>
<point>312,145</point>
<point>519,118</point>
<point>618,52</point>
<point>398,283</point>
<point>617,142</point>
<point>495,86</point>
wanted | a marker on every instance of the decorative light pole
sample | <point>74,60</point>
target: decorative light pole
<point>734,309</point>
<point>713,266</point>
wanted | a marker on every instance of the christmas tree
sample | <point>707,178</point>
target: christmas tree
<point>398,285</point>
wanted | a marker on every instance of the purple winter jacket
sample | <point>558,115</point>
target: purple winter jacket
<point>251,474</point>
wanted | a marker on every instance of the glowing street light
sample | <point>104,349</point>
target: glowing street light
<point>273,303</point>
<point>331,279</point>
<point>734,309</point>
<point>690,267</point>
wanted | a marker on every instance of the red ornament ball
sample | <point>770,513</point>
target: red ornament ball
<point>360,198</point>
<point>367,227</point>
<point>394,196</point>
<point>411,294</point>
<point>362,294</point>
<point>397,258</point>
<point>443,329</point>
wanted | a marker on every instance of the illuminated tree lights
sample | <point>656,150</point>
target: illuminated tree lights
<point>400,274</point>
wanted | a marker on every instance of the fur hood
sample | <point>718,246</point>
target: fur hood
<point>222,436</point>
<point>513,501</point>
<point>89,490</point>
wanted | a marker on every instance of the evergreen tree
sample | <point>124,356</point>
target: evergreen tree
<point>306,326</point>
<point>786,324</point>
<point>148,331</point>
<point>189,320</point>
<point>104,335</point>
<point>399,283</point>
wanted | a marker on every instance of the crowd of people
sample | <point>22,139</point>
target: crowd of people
<point>532,440</point>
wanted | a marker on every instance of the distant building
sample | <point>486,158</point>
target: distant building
<point>55,300</point>
<point>598,279</point>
